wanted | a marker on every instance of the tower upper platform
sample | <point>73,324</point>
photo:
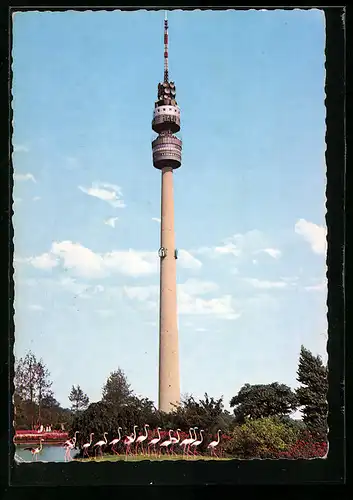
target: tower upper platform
<point>166,119</point>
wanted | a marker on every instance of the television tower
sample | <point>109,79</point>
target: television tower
<point>166,152</point>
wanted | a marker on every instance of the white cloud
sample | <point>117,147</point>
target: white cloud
<point>319,287</point>
<point>25,177</point>
<point>255,262</point>
<point>272,252</point>
<point>188,261</point>
<point>237,245</point>
<point>35,307</point>
<point>110,193</point>
<point>111,221</point>
<point>222,307</point>
<point>312,233</point>
<point>189,302</point>
<point>156,219</point>
<point>201,329</point>
<point>84,262</point>
<point>36,198</point>
<point>20,148</point>
<point>256,283</point>
<point>44,261</point>
<point>198,287</point>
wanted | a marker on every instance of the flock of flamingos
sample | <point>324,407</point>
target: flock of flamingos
<point>134,444</point>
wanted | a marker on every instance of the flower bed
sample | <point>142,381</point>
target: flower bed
<point>35,435</point>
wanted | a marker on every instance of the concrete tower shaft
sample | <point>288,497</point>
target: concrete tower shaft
<point>169,377</point>
<point>166,152</point>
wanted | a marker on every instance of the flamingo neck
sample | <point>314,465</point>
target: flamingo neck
<point>158,434</point>
<point>170,435</point>
<point>178,435</point>
<point>105,438</point>
<point>134,432</point>
<point>146,431</point>
<point>218,437</point>
<point>190,433</point>
<point>201,436</point>
<point>119,434</point>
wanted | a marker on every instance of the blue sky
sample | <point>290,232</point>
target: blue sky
<point>249,197</point>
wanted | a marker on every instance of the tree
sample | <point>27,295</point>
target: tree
<point>312,395</point>
<point>43,385</point>
<point>117,389</point>
<point>258,401</point>
<point>32,384</point>
<point>78,398</point>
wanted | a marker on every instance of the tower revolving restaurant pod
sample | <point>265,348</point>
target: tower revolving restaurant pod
<point>166,151</point>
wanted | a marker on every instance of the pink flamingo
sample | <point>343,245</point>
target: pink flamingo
<point>70,445</point>
<point>213,444</point>
<point>191,440</point>
<point>35,451</point>
<point>154,441</point>
<point>187,441</point>
<point>167,443</point>
<point>129,440</point>
<point>175,441</point>
<point>141,439</point>
<point>101,443</point>
<point>116,441</point>
<point>197,443</point>
<point>87,445</point>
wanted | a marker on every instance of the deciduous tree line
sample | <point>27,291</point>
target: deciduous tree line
<point>255,407</point>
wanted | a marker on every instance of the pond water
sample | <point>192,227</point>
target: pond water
<point>49,453</point>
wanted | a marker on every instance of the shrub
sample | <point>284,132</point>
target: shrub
<point>261,438</point>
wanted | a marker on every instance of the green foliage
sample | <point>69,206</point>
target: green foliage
<point>117,389</point>
<point>312,395</point>
<point>259,401</point>
<point>260,438</point>
<point>107,417</point>
<point>32,388</point>
<point>79,400</point>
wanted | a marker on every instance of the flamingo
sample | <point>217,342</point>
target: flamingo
<point>213,444</point>
<point>87,445</point>
<point>154,441</point>
<point>35,451</point>
<point>175,441</point>
<point>187,441</point>
<point>141,439</point>
<point>130,440</point>
<point>116,441</point>
<point>197,443</point>
<point>70,445</point>
<point>191,440</point>
<point>167,443</point>
<point>101,443</point>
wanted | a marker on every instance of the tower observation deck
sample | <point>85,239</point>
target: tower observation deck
<point>166,153</point>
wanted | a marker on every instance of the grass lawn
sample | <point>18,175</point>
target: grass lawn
<point>152,458</point>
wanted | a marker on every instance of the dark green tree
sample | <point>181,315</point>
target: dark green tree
<point>117,389</point>
<point>258,401</point>
<point>312,395</point>
<point>79,400</point>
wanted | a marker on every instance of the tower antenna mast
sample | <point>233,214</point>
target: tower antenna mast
<point>166,76</point>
